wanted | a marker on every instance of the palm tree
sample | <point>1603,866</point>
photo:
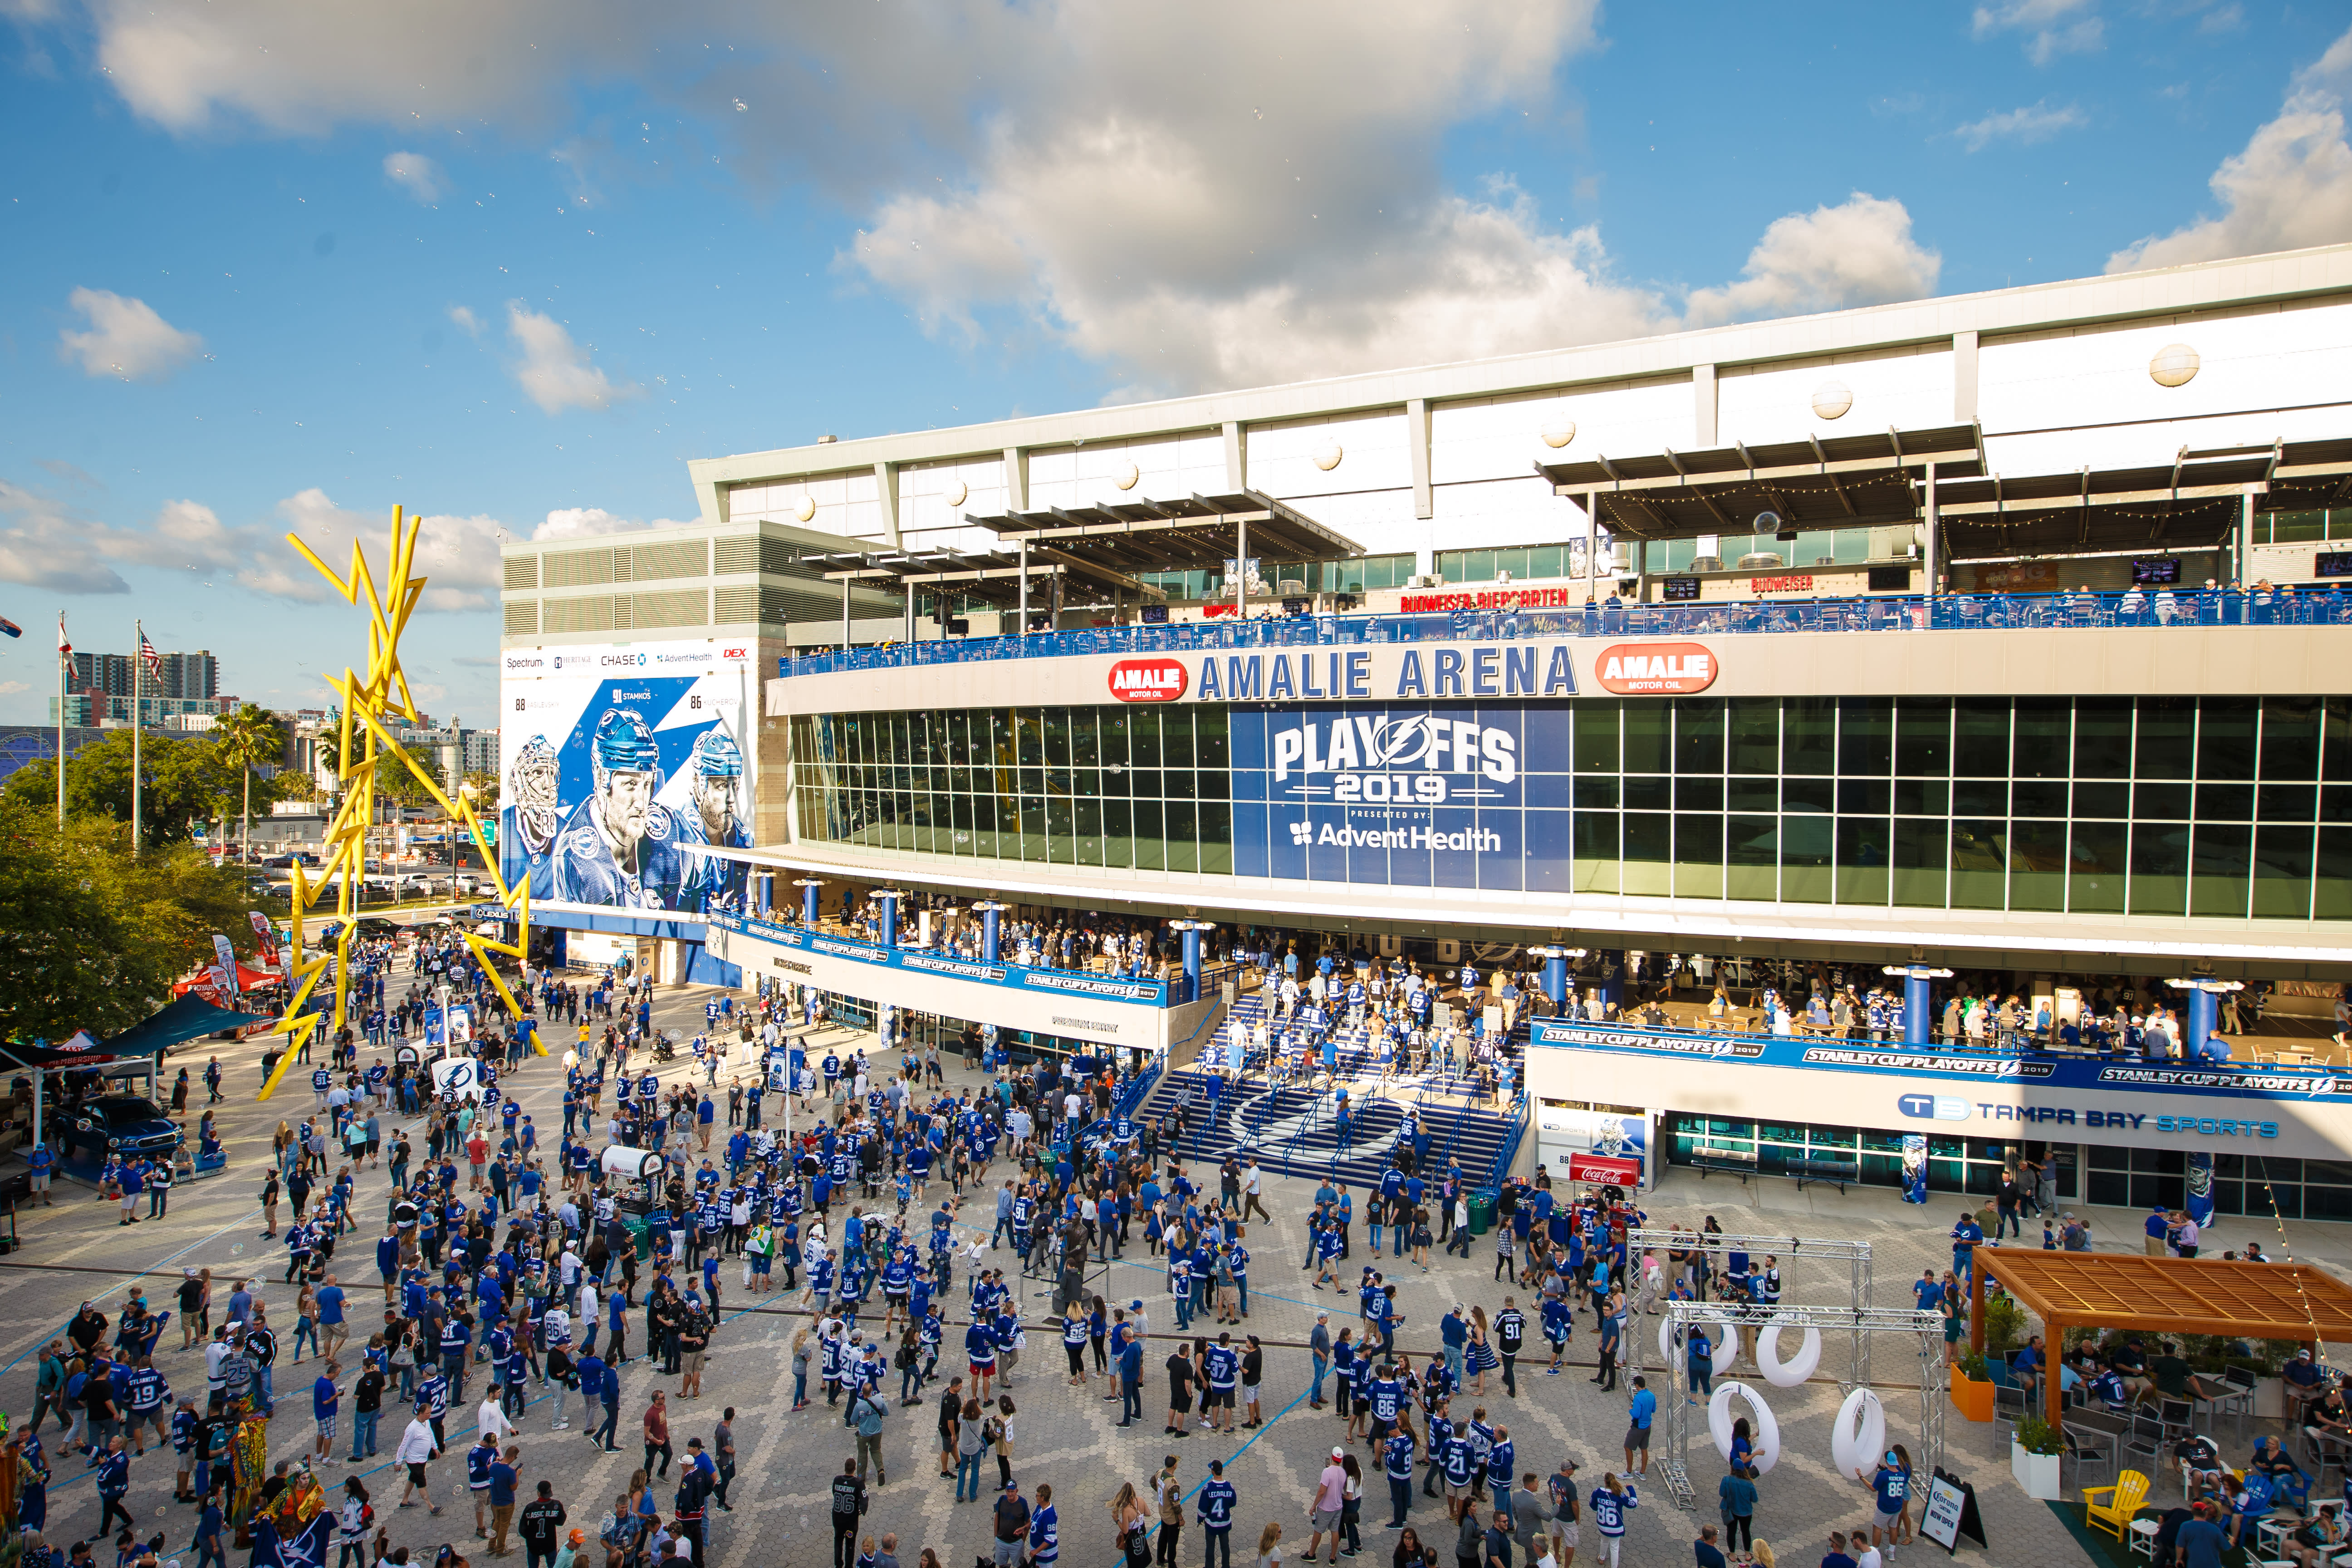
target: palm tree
<point>246,738</point>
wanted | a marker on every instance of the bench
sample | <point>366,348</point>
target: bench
<point>1737,1164</point>
<point>1838,1170</point>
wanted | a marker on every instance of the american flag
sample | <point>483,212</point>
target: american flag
<point>154,660</point>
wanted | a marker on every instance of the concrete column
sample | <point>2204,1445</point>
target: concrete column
<point>1236,456</point>
<point>1241,573</point>
<point>1932,551</point>
<point>809,887</point>
<point>885,491</point>
<point>988,913</point>
<point>2245,574</point>
<point>766,883</point>
<point>2204,1012</point>
<point>1016,479</point>
<point>1191,962</point>
<point>845,612</point>
<point>1416,423</point>
<point>1919,999</point>
<point>1964,378</point>
<point>890,903</point>
<point>1554,973</point>
<point>1592,540</point>
<point>1703,405</point>
<point>1024,625</point>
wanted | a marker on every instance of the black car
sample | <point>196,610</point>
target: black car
<point>373,928</point>
<point>122,1125</point>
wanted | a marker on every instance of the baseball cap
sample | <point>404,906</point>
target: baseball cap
<point>1136,1305</point>
<point>1338,1453</point>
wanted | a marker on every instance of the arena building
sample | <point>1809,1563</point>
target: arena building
<point>1995,642</point>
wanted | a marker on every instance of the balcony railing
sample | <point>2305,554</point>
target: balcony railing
<point>1893,613</point>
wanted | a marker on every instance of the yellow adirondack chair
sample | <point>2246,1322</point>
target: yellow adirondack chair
<point>2125,1496</point>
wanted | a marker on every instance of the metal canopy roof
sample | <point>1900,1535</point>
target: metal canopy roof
<point>1852,480</point>
<point>1194,532</point>
<point>993,575</point>
<point>1838,481</point>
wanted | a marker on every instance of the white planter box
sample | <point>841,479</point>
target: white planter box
<point>2037,1474</point>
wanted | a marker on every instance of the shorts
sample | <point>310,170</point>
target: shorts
<point>1249,1393</point>
<point>1325,1518</point>
<point>1566,1530</point>
<point>416,1475</point>
<point>327,1427</point>
<point>1221,1398</point>
<point>1180,1403</point>
<point>40,1180</point>
<point>692,1363</point>
<point>1885,1521</point>
<point>1456,1490</point>
<point>983,1369</point>
<point>1638,1437</point>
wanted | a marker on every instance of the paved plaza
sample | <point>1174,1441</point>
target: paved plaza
<point>75,1252</point>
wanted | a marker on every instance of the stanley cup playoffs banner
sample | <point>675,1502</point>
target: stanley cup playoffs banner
<point>616,763</point>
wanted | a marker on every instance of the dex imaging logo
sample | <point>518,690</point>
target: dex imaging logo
<point>1932,1106</point>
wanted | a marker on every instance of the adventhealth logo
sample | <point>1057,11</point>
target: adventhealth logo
<point>1302,833</point>
<point>1477,841</point>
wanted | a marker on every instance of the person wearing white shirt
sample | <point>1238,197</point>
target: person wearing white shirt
<point>490,1420</point>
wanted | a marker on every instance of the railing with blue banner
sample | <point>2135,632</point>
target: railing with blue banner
<point>1948,612</point>
<point>1076,983</point>
<point>1507,1153</point>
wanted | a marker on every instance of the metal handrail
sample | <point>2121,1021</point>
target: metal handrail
<point>2159,608</point>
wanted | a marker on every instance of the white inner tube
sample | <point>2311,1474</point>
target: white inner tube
<point>1855,1452</point>
<point>1723,1342</point>
<point>1797,1368</point>
<point>1768,1428</point>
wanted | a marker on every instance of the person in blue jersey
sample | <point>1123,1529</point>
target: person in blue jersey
<point>611,844</point>
<point>527,827</point>
<point>1215,1507</point>
<point>703,883</point>
<point>1611,1500</point>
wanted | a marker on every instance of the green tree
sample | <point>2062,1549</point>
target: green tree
<point>244,739</point>
<point>92,937</point>
<point>393,781</point>
<point>186,780</point>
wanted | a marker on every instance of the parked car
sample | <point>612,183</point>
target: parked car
<point>121,1124</point>
<point>372,927</point>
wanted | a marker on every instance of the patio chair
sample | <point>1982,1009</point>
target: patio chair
<point>2237,1399</point>
<point>2088,1445</point>
<point>2122,1507</point>
<point>2146,1441</point>
<point>2177,1416</point>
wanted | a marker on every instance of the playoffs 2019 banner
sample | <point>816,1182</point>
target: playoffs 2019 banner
<point>619,763</point>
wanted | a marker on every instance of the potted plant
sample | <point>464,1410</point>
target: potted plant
<point>2033,1457</point>
<point>1972,1388</point>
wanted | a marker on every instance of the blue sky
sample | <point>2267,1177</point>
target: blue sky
<point>286,264</point>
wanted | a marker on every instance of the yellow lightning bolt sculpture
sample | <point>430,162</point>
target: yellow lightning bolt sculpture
<point>367,701</point>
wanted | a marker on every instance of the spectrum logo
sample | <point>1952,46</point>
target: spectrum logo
<point>1148,679</point>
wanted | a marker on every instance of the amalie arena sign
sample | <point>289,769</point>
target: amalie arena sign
<point>1409,672</point>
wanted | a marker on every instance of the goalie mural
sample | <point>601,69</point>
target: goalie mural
<point>615,784</point>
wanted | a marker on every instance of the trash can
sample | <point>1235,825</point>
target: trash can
<point>1481,1213</point>
<point>635,1224</point>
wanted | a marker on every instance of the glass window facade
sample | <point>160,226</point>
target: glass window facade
<point>2217,807</point>
<point>2252,1184</point>
<point>2302,527</point>
<point>1355,574</point>
<point>1954,1164</point>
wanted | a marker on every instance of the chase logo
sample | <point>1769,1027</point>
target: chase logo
<point>1932,1106</point>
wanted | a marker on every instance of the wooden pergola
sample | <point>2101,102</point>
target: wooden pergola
<point>2161,1295</point>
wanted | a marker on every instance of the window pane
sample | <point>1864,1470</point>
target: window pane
<point>2037,865</point>
<point>2282,871</point>
<point>2159,868</point>
<point>1920,856</point>
<point>1809,737</point>
<point>2165,744</point>
<point>1979,864</point>
<point>2331,886</point>
<point>1752,845</point>
<point>2225,737</point>
<point>1183,846</point>
<point>2095,873</point>
<point>1649,849</point>
<point>1150,836</point>
<point>2103,738</point>
<point>1865,737</point>
<point>1217,837</point>
<point>2290,738</point>
<point>1981,738</point>
<point>1923,739</point>
<point>1596,737</point>
<point>1699,735</point>
<point>1698,855</point>
<point>1754,726</point>
<point>2042,743</point>
<point>1176,737</point>
<point>1143,738</point>
<point>1597,857</point>
<point>2218,877</point>
<point>1861,860</point>
<point>1648,731</point>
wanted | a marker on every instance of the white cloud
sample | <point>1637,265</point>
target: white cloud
<point>2053,27</point>
<point>554,371</point>
<point>1858,252</point>
<point>2291,187</point>
<point>459,556</point>
<point>2035,123</point>
<point>417,175</point>
<point>586,521</point>
<point>1028,170</point>
<point>126,339</point>
<point>46,544</point>
<point>466,318</point>
<point>13,688</point>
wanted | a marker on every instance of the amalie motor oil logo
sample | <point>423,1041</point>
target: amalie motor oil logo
<point>1656,669</point>
<point>1148,679</point>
